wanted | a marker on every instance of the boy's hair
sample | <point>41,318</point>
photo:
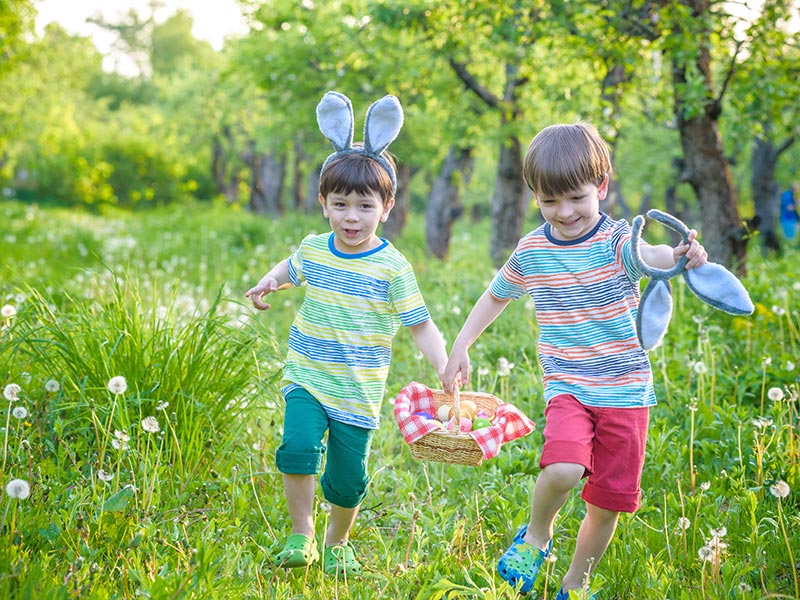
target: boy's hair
<point>358,173</point>
<point>562,158</point>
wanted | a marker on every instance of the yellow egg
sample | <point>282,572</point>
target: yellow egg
<point>468,409</point>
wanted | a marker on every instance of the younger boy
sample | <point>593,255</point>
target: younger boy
<point>579,269</point>
<point>359,290</point>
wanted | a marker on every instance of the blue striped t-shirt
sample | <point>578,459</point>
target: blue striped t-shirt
<point>586,294</point>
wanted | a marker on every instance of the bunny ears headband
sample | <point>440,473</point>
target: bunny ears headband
<point>383,123</point>
<point>711,282</point>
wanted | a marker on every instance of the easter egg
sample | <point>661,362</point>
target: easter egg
<point>443,412</point>
<point>482,414</point>
<point>423,414</point>
<point>468,409</point>
<point>480,423</point>
<point>466,424</point>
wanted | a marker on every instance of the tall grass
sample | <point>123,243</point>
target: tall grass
<point>167,488</point>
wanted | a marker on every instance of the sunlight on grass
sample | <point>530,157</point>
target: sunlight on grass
<point>142,414</point>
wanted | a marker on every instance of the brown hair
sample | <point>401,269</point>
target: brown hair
<point>357,172</point>
<point>562,158</point>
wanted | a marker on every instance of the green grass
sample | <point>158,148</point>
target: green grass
<point>195,509</point>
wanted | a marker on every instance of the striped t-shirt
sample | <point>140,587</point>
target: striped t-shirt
<point>340,344</point>
<point>586,294</point>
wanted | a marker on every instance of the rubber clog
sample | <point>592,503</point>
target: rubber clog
<point>299,550</point>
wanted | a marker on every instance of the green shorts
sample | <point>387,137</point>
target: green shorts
<point>302,451</point>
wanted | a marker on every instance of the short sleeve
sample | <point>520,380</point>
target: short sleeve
<point>406,300</point>
<point>509,282</point>
<point>295,262</point>
<point>621,246</point>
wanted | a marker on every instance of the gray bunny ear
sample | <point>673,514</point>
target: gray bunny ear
<point>655,311</point>
<point>335,119</point>
<point>382,125</point>
<point>720,288</point>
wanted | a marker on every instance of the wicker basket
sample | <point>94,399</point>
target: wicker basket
<point>454,446</point>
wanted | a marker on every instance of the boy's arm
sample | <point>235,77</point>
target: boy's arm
<point>277,278</point>
<point>485,311</point>
<point>662,256</point>
<point>430,342</point>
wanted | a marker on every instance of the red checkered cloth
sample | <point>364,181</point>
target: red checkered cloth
<point>509,422</point>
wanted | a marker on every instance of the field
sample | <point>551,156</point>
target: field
<point>142,412</point>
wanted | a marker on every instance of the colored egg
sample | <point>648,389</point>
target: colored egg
<point>480,423</point>
<point>468,409</point>
<point>482,414</point>
<point>423,414</point>
<point>443,413</point>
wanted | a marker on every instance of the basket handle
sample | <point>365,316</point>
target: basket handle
<point>456,409</point>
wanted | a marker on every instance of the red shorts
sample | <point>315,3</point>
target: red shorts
<point>608,442</point>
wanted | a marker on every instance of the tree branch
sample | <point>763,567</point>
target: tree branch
<point>472,84</point>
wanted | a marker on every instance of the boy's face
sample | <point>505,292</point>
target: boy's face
<point>575,214</point>
<point>354,219</point>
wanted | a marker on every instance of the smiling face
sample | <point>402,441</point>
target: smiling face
<point>354,219</point>
<point>573,214</point>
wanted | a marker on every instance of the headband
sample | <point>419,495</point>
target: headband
<point>383,123</point>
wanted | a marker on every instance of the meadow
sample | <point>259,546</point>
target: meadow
<point>141,412</point>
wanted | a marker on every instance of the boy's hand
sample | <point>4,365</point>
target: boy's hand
<point>693,250</point>
<point>456,373</point>
<point>266,286</point>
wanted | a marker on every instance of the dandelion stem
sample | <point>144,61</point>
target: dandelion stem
<point>789,548</point>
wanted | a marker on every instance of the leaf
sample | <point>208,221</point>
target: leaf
<point>118,501</point>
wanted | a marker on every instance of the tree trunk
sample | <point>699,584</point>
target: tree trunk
<point>508,201</point>
<point>444,203</point>
<point>298,193</point>
<point>707,169</point>
<point>225,176</point>
<point>766,194</point>
<point>268,174</point>
<point>311,203</point>
<point>399,216</point>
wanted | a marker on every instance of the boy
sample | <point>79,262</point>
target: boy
<point>359,290</point>
<point>579,269</point>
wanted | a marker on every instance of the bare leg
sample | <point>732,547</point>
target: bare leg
<point>595,534</point>
<point>549,495</point>
<point>299,491</point>
<point>342,520</point>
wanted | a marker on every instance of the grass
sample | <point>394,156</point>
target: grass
<point>168,489</point>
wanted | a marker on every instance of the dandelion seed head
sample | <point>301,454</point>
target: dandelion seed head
<point>11,392</point>
<point>162,406</point>
<point>778,310</point>
<point>483,371</point>
<point>705,553</point>
<point>775,394</point>
<point>8,311</point>
<point>52,386</point>
<point>705,486</point>
<point>684,523</point>
<point>700,368</point>
<point>18,488</point>
<point>20,412</point>
<point>744,587</point>
<point>779,489</point>
<point>117,385</point>
<point>720,532</point>
<point>767,361</point>
<point>504,367</point>
<point>150,425</point>
<point>790,366</point>
<point>103,476</point>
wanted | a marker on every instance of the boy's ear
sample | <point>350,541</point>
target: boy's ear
<point>387,208</point>
<point>324,204</point>
<point>602,189</point>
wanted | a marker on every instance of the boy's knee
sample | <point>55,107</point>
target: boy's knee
<point>345,493</point>
<point>563,476</point>
<point>299,461</point>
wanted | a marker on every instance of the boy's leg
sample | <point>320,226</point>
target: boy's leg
<point>299,458</point>
<point>549,494</point>
<point>299,492</point>
<point>594,535</point>
<point>344,485</point>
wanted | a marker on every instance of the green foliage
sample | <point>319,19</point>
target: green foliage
<point>194,510</point>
